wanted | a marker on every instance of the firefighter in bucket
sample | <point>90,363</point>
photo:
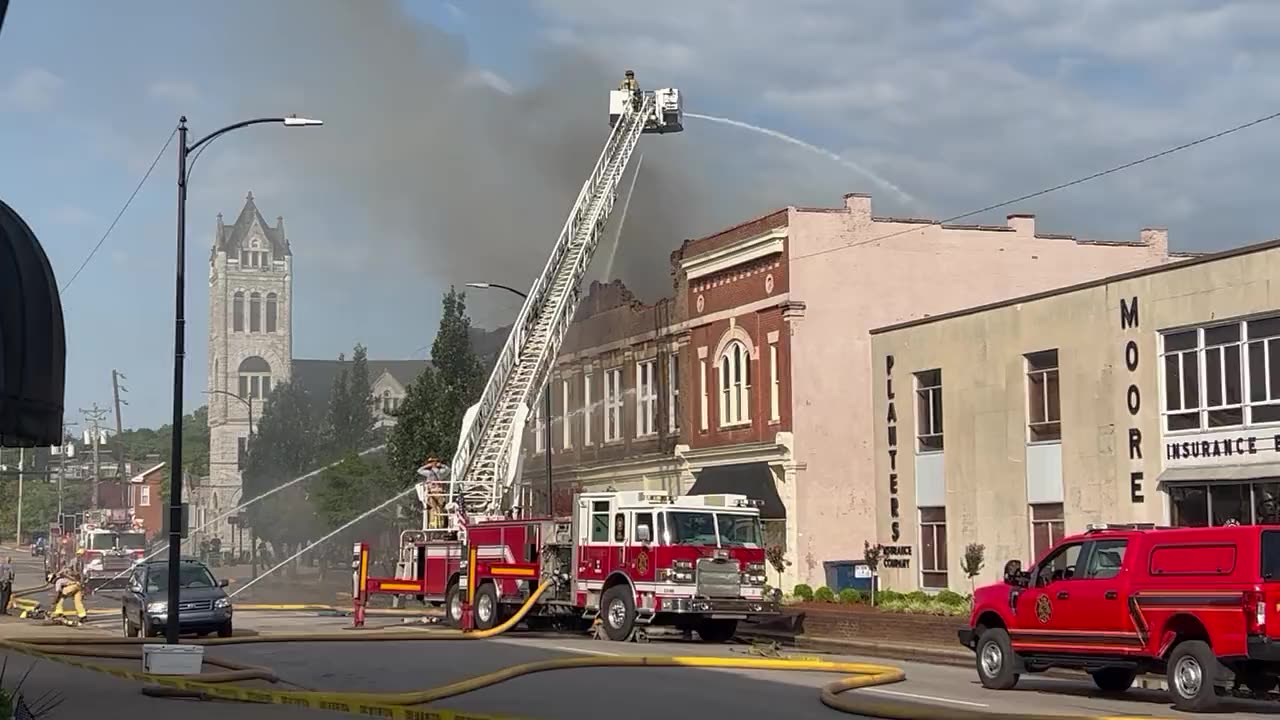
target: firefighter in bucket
<point>631,85</point>
<point>432,491</point>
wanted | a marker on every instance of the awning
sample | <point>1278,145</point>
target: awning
<point>33,351</point>
<point>1219,473</point>
<point>755,480</point>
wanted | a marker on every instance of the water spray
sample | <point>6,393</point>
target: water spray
<point>247,503</point>
<point>856,167</point>
<point>323,540</point>
<point>622,221</point>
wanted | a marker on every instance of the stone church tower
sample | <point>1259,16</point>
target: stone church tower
<point>250,350</point>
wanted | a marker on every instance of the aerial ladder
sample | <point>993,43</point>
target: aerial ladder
<point>479,483</point>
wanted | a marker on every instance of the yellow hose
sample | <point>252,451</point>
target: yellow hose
<point>860,675</point>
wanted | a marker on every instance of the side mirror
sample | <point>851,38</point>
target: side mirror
<point>224,582</point>
<point>642,534</point>
<point>1013,572</point>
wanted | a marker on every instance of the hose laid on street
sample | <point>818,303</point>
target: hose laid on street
<point>399,704</point>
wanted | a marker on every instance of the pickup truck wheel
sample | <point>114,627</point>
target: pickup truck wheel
<point>1113,680</point>
<point>1192,676</point>
<point>995,660</point>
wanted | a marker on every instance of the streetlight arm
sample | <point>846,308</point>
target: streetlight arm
<point>508,288</point>
<point>234,126</point>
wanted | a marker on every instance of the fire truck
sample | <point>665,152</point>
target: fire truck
<point>630,558</point>
<point>111,543</point>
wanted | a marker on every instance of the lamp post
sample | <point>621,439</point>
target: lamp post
<point>546,394</point>
<point>179,353</point>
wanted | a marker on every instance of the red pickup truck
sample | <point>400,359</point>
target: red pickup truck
<point>1201,605</point>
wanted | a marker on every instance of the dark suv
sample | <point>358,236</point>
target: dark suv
<point>203,603</point>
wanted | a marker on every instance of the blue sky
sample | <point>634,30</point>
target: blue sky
<point>458,133</point>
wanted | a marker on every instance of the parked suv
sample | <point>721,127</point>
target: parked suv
<point>203,605</point>
<point>1119,600</point>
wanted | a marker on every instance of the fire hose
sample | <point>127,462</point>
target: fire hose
<point>402,704</point>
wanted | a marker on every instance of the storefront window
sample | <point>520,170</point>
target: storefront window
<point>1246,503</point>
<point>1190,506</point>
<point>1230,502</point>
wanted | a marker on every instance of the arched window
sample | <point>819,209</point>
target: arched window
<point>237,312</point>
<point>255,378</point>
<point>735,384</point>
<point>386,402</point>
<point>255,312</point>
<point>271,312</point>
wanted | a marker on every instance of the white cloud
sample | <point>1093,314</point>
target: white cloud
<point>177,92</point>
<point>966,104</point>
<point>32,90</point>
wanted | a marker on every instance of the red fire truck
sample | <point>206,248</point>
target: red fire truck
<point>634,558</point>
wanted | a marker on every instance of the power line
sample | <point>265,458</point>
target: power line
<point>1055,188</point>
<point>120,214</point>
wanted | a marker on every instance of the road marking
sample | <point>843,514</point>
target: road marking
<point>915,696</point>
<point>566,648</point>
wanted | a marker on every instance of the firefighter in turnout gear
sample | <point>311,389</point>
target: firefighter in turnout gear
<point>67,584</point>
<point>629,84</point>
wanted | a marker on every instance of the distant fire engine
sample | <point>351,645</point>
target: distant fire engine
<point>631,558</point>
<point>111,543</point>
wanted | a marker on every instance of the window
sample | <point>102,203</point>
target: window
<point>1222,376</point>
<point>1061,565</point>
<point>237,312</point>
<point>1047,528</point>
<point>673,392</point>
<point>586,408</point>
<point>1044,412</point>
<point>644,519</point>
<point>646,398</point>
<point>1106,559</point>
<point>272,303</point>
<point>613,405</point>
<point>255,312</point>
<point>702,391</point>
<point>386,402</point>
<point>1264,370</point>
<point>619,527</point>
<point>539,431</point>
<point>566,427</point>
<point>600,521</point>
<point>773,383</point>
<point>929,410</point>
<point>933,547</point>
<point>735,384</point>
<point>1217,504</point>
<point>255,378</point>
<point>144,496</point>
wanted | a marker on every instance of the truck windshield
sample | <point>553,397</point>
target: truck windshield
<point>131,540</point>
<point>738,530</point>
<point>189,576</point>
<point>102,541</point>
<point>692,528</point>
<point>1271,555</point>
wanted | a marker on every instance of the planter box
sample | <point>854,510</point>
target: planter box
<point>862,622</point>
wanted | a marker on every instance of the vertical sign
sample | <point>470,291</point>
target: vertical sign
<point>891,423</point>
<point>1132,398</point>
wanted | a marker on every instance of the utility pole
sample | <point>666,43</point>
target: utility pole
<point>93,419</point>
<point>22,460</point>
<point>116,377</point>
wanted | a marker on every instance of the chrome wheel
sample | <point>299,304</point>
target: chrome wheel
<point>992,659</point>
<point>455,607</point>
<point>1188,676</point>
<point>617,613</point>
<point>484,608</point>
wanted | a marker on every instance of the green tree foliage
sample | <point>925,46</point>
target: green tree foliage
<point>430,418</point>
<point>351,405</point>
<point>39,503</point>
<point>140,443</point>
<point>285,446</point>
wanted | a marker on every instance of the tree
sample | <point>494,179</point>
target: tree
<point>351,405</point>
<point>974,554</point>
<point>871,556</point>
<point>285,446</point>
<point>140,443</point>
<point>430,418</point>
<point>348,490</point>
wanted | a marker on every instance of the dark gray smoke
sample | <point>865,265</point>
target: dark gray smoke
<point>461,180</point>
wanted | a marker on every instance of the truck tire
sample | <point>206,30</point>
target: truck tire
<point>487,608</point>
<point>995,660</point>
<point>1114,680</point>
<point>717,631</point>
<point>618,611</point>
<point>1192,676</point>
<point>453,606</point>
<point>130,630</point>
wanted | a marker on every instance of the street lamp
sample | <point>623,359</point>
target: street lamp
<point>546,394</point>
<point>179,353</point>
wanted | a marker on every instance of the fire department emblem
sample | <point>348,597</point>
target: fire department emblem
<point>642,563</point>
<point>1043,609</point>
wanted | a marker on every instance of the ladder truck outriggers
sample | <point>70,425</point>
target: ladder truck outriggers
<point>628,559</point>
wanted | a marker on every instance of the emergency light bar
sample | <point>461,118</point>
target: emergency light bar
<point>1101,527</point>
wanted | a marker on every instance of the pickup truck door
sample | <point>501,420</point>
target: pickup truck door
<point>1100,595</point>
<point>1045,618</point>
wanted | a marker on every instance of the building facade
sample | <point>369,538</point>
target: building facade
<point>251,352</point>
<point>1148,396</point>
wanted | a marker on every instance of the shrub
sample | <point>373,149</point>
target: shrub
<point>947,597</point>
<point>824,594</point>
<point>849,596</point>
<point>885,596</point>
<point>918,596</point>
<point>803,592</point>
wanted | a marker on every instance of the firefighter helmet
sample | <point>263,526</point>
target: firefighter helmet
<point>630,73</point>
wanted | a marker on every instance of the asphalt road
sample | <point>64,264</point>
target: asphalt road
<point>617,693</point>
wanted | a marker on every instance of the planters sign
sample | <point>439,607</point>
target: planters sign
<point>1223,447</point>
